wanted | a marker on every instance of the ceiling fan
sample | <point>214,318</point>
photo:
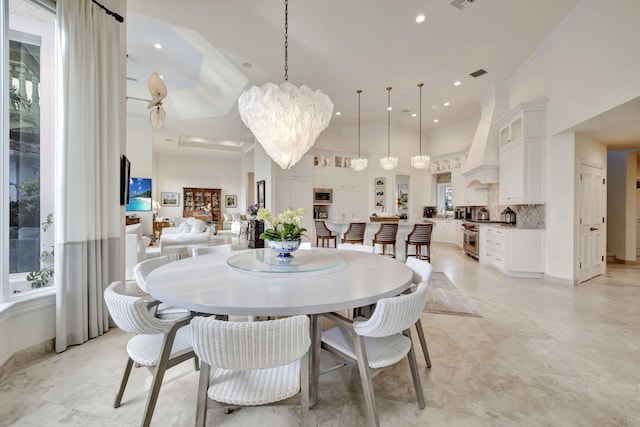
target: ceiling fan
<point>158,91</point>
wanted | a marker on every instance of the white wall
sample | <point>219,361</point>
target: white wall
<point>175,171</point>
<point>585,67</point>
<point>616,202</point>
<point>139,151</point>
<point>560,210</point>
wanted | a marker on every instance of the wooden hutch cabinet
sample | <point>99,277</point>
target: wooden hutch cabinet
<point>195,200</point>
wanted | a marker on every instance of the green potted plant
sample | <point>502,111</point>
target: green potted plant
<point>283,232</point>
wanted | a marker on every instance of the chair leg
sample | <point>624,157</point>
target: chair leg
<point>158,376</point>
<point>316,326</point>
<point>196,363</point>
<point>365,378</point>
<point>304,390</point>
<point>423,343</point>
<point>415,374</point>
<point>201,399</point>
<point>123,383</point>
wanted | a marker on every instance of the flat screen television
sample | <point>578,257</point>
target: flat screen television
<point>139,194</point>
<point>125,170</point>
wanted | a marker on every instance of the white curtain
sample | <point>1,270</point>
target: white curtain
<point>88,213</point>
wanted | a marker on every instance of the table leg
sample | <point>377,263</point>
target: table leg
<point>314,360</point>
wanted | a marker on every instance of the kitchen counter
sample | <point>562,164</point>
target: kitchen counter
<point>404,227</point>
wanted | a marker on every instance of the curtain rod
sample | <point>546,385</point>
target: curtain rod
<point>50,6</point>
<point>117,17</point>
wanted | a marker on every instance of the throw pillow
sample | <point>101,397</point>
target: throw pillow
<point>243,217</point>
<point>198,227</point>
<point>227,216</point>
<point>235,216</point>
<point>184,228</point>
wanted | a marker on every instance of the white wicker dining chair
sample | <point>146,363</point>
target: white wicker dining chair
<point>140,273</point>
<point>157,344</point>
<point>255,362</point>
<point>216,249</point>
<point>356,247</point>
<point>380,341</point>
<point>422,272</point>
<point>305,245</point>
<point>175,253</point>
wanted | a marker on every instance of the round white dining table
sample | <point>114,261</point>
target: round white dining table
<point>348,279</point>
<point>317,281</point>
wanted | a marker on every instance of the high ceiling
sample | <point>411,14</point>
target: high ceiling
<point>213,49</point>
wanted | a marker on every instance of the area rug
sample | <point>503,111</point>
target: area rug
<point>445,298</point>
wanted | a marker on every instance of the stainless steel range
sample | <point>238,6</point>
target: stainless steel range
<point>471,240</point>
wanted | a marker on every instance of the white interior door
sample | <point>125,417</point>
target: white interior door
<point>591,235</point>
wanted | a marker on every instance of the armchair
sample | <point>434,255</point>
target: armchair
<point>135,248</point>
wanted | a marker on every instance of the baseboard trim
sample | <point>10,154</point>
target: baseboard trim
<point>23,357</point>
<point>625,261</point>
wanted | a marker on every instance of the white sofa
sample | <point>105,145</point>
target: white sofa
<point>136,246</point>
<point>188,231</point>
<point>233,221</point>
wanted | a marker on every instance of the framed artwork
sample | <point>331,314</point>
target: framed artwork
<point>317,160</point>
<point>170,199</point>
<point>326,160</point>
<point>347,162</point>
<point>380,181</point>
<point>379,192</point>
<point>231,201</point>
<point>260,193</point>
<point>338,161</point>
<point>380,203</point>
<point>139,194</point>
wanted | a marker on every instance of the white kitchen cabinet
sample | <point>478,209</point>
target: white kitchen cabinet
<point>459,232</point>
<point>444,230</point>
<point>463,195</point>
<point>294,193</point>
<point>522,137</point>
<point>513,251</point>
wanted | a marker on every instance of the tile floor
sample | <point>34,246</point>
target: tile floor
<point>543,354</point>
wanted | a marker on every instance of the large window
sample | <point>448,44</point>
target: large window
<point>30,85</point>
<point>445,198</point>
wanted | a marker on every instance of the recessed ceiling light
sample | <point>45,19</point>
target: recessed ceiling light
<point>457,83</point>
<point>389,108</point>
<point>157,45</point>
<point>446,104</point>
<point>338,113</point>
<point>435,120</point>
<point>247,64</point>
<point>420,19</point>
<point>414,115</point>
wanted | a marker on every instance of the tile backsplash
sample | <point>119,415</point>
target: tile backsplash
<point>527,216</point>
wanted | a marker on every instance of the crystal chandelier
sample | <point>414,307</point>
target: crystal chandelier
<point>388,163</point>
<point>420,161</point>
<point>286,120</point>
<point>359,163</point>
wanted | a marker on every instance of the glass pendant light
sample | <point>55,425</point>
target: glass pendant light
<point>286,120</point>
<point>388,163</point>
<point>420,161</point>
<point>359,163</point>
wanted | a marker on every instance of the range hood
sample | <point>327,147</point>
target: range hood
<point>481,166</point>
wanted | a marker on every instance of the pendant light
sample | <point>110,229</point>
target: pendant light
<point>286,120</point>
<point>388,163</point>
<point>420,161</point>
<point>359,163</point>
